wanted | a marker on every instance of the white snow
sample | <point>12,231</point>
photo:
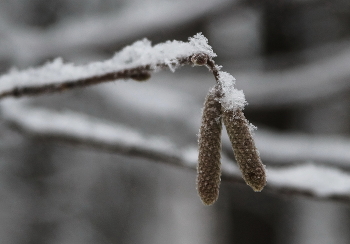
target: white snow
<point>70,124</point>
<point>285,148</point>
<point>138,54</point>
<point>190,155</point>
<point>232,98</point>
<point>321,180</point>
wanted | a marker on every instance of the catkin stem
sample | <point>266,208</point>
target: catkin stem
<point>209,165</point>
<point>247,156</point>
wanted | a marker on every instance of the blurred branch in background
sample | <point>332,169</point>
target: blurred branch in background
<point>309,179</point>
<point>322,79</point>
<point>28,45</point>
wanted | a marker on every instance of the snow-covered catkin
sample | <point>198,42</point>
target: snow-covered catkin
<point>209,165</point>
<point>246,154</point>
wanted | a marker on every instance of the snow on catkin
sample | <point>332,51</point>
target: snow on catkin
<point>209,165</point>
<point>247,156</point>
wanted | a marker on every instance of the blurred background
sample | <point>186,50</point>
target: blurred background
<point>290,57</point>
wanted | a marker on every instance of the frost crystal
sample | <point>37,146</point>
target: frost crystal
<point>201,43</point>
<point>232,98</point>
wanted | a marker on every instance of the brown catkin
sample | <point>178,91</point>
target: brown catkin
<point>246,154</point>
<point>209,166</point>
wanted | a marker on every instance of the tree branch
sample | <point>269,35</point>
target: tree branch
<point>280,149</point>
<point>135,61</point>
<point>321,79</point>
<point>311,180</point>
<point>134,73</point>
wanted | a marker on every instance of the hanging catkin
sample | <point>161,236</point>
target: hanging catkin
<point>246,154</point>
<point>209,166</point>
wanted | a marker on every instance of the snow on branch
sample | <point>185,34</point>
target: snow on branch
<point>82,129</point>
<point>277,148</point>
<point>316,181</point>
<point>288,148</point>
<point>135,61</point>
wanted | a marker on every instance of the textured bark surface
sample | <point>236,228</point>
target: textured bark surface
<point>209,165</point>
<point>247,156</point>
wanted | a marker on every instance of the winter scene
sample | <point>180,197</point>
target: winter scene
<point>158,121</point>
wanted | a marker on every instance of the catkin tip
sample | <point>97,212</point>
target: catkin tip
<point>257,178</point>
<point>209,201</point>
<point>246,154</point>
